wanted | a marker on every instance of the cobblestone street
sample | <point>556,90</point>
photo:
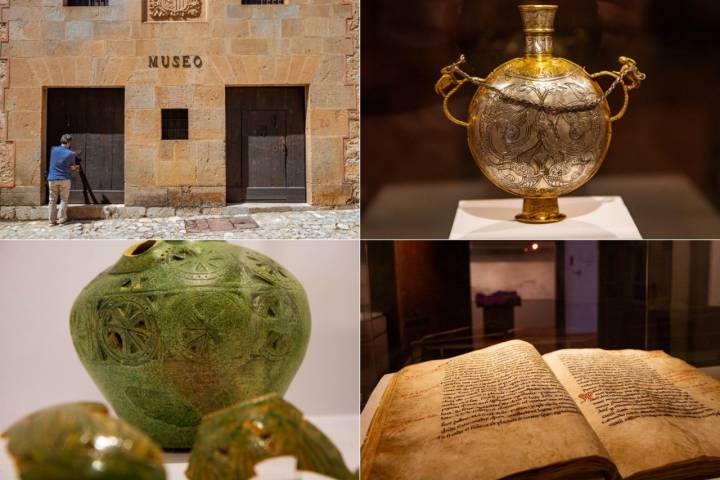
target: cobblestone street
<point>335,224</point>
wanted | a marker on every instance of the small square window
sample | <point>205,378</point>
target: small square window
<point>86,3</point>
<point>175,124</point>
<point>263,2</point>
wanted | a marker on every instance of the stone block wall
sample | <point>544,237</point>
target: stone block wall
<point>311,43</point>
<point>7,150</point>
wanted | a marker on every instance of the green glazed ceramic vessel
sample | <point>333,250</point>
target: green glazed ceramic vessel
<point>80,441</point>
<point>231,441</point>
<point>176,330</point>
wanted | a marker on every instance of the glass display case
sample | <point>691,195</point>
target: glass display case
<point>438,299</point>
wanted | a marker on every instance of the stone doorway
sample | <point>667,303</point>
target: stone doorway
<point>265,144</point>
<point>95,117</point>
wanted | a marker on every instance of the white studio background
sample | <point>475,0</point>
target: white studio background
<point>39,281</point>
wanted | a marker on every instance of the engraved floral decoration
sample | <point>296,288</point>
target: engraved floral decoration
<point>174,9</point>
<point>536,151</point>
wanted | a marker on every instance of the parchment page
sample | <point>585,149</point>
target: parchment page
<point>649,409</point>
<point>484,415</point>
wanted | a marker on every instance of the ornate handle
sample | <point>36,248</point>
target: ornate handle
<point>451,81</point>
<point>453,78</point>
<point>629,77</point>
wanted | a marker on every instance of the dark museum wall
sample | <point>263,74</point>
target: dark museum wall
<point>421,288</point>
<point>671,126</point>
<point>433,287</point>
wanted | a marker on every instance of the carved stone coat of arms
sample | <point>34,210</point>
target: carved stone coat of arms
<point>174,9</point>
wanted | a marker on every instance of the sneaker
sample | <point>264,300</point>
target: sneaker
<point>62,222</point>
<point>52,224</point>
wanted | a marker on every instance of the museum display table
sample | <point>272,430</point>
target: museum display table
<point>662,206</point>
<point>588,218</point>
<point>498,311</point>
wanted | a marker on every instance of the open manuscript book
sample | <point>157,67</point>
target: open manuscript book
<point>508,412</point>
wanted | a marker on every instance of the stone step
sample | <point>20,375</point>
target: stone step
<point>278,207</point>
<point>102,212</point>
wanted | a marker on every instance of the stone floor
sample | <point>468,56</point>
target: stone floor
<point>335,224</point>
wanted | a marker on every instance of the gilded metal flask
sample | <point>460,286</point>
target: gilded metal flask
<point>539,126</point>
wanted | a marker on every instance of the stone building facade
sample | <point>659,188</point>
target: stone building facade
<point>182,102</point>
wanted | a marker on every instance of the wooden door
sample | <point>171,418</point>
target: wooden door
<point>265,144</point>
<point>95,117</point>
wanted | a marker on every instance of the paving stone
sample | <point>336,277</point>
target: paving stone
<point>243,222</point>
<point>198,225</point>
<point>220,225</point>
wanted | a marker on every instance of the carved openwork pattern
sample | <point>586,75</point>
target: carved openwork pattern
<point>267,271</point>
<point>280,315</point>
<point>275,305</point>
<point>174,9</point>
<point>207,317</point>
<point>531,152</point>
<point>198,265</point>
<point>127,330</point>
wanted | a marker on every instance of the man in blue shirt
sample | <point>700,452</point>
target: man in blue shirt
<point>62,165</point>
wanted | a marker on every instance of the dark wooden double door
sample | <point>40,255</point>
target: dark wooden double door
<point>265,144</point>
<point>95,117</point>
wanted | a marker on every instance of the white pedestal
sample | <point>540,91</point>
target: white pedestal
<point>588,218</point>
<point>278,468</point>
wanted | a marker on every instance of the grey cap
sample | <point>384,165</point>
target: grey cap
<point>67,138</point>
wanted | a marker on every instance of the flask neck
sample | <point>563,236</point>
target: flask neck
<point>538,45</point>
<point>538,23</point>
